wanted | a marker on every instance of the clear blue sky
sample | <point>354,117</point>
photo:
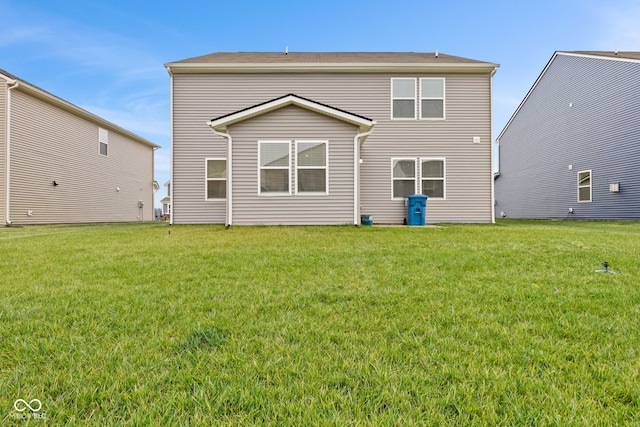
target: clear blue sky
<point>107,56</point>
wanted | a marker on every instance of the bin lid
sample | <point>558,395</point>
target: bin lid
<point>416,196</point>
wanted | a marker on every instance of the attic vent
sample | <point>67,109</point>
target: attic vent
<point>436,54</point>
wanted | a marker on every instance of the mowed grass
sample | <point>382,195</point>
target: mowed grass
<point>481,325</point>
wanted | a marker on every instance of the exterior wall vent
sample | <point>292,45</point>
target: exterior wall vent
<point>614,187</point>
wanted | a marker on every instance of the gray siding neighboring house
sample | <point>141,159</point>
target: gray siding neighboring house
<point>572,148</point>
<point>345,104</point>
<point>61,164</point>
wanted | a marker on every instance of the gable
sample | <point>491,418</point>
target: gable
<point>221,123</point>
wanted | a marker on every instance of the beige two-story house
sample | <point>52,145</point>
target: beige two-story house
<point>62,164</point>
<point>325,138</point>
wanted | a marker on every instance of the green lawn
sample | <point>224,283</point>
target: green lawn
<point>150,324</point>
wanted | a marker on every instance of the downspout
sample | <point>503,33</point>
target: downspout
<point>172,210</point>
<point>493,178</point>
<point>356,175</point>
<point>229,174</point>
<point>14,84</point>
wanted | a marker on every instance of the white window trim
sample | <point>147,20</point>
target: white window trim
<point>584,186</point>
<point>415,107</point>
<point>103,138</point>
<point>444,176</point>
<point>273,193</point>
<point>444,99</point>
<point>326,167</point>
<point>207,179</point>
<point>415,180</point>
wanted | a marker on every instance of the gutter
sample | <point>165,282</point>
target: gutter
<point>229,174</point>
<point>356,174</point>
<point>14,84</point>
<point>358,67</point>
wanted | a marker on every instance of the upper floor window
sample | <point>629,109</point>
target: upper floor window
<point>216,179</point>
<point>275,167</point>
<point>584,186</point>
<point>432,98</point>
<point>103,141</point>
<point>403,98</point>
<point>311,162</point>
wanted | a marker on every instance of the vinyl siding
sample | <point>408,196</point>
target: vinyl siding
<point>200,97</point>
<point>48,143</point>
<point>3,150</point>
<point>291,124</point>
<point>583,114</point>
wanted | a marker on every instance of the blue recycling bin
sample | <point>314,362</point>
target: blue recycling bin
<point>416,209</point>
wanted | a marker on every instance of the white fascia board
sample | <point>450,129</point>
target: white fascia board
<point>610,58</point>
<point>483,67</point>
<point>221,124</point>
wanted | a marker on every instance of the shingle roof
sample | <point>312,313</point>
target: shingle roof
<point>328,57</point>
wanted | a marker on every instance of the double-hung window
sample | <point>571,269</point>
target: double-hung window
<point>103,141</point>
<point>403,98</point>
<point>216,179</point>
<point>432,98</point>
<point>275,167</point>
<point>584,186</point>
<point>432,172</point>
<point>418,175</point>
<point>403,177</point>
<point>311,167</point>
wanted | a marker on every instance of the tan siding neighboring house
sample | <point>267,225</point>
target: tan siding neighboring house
<point>360,83</point>
<point>68,166</point>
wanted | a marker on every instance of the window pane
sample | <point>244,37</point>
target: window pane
<point>216,189</point>
<point>274,180</point>
<point>404,88</point>
<point>103,148</point>
<point>432,88</point>
<point>216,168</point>
<point>584,178</point>
<point>404,109</point>
<point>432,108</point>
<point>403,187</point>
<point>584,194</point>
<point>404,169</point>
<point>312,180</point>
<point>274,154</point>
<point>433,188</point>
<point>312,154</point>
<point>433,169</point>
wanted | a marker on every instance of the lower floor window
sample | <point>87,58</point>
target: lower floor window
<point>311,162</point>
<point>584,186</point>
<point>274,165</point>
<point>216,178</point>
<point>404,177</point>
<point>431,173</point>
